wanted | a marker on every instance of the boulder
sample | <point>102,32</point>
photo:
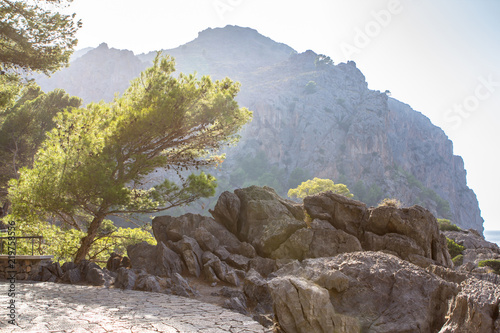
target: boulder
<point>116,261</point>
<point>171,229</point>
<point>191,254</point>
<point>257,291</point>
<point>321,240</point>
<point>95,276</point>
<point>406,232</point>
<point>264,266</point>
<point>266,220</point>
<point>475,309</point>
<point>227,210</point>
<point>126,278</point>
<point>360,291</point>
<point>155,259</point>
<point>341,212</point>
<point>148,282</point>
<point>72,275</point>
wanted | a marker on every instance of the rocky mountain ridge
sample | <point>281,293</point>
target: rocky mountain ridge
<point>312,118</point>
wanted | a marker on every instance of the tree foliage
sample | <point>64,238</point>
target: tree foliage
<point>35,38</point>
<point>63,242</point>
<point>98,161</point>
<point>23,128</point>
<point>318,185</point>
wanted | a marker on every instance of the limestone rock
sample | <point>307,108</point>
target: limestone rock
<point>126,278</point>
<point>475,309</point>
<point>227,210</point>
<point>360,291</point>
<point>341,212</point>
<point>95,276</point>
<point>321,240</point>
<point>168,228</point>
<point>157,260</point>
<point>267,220</point>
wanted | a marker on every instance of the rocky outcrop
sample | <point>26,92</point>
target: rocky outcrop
<point>359,292</point>
<point>475,309</point>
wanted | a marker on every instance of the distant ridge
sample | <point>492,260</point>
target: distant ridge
<point>312,118</point>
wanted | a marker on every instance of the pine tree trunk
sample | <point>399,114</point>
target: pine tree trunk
<point>86,242</point>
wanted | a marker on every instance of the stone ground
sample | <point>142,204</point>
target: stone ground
<point>52,307</point>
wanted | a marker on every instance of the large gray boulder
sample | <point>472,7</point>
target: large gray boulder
<point>341,212</point>
<point>406,231</point>
<point>265,219</point>
<point>320,240</point>
<point>361,291</point>
<point>204,229</point>
<point>155,259</point>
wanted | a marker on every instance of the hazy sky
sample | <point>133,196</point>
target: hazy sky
<point>442,57</point>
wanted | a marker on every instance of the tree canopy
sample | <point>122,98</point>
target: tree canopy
<point>35,38</point>
<point>318,185</point>
<point>23,128</point>
<point>97,161</point>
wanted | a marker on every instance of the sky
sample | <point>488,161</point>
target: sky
<point>441,57</point>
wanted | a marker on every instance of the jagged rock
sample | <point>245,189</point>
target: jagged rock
<point>191,254</point>
<point>222,271</point>
<point>264,266</point>
<point>156,260</point>
<point>475,309</point>
<point>168,228</point>
<point>226,211</point>
<point>207,241</point>
<point>267,220</point>
<point>222,252</point>
<point>236,304</point>
<point>238,261</point>
<point>126,278</point>
<point>148,282</point>
<point>72,275</point>
<point>209,274</point>
<point>360,291</point>
<point>321,240</point>
<point>341,212</point>
<point>257,291</point>
<point>95,276</point>
<point>406,232</point>
<point>181,287</point>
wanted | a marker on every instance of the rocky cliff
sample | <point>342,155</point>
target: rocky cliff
<point>312,118</point>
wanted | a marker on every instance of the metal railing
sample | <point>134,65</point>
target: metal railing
<point>40,238</point>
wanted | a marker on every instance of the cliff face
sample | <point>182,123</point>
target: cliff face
<point>311,119</point>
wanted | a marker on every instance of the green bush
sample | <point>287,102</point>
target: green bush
<point>493,264</point>
<point>453,248</point>
<point>458,260</point>
<point>446,225</point>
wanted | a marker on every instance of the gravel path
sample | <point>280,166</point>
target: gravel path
<point>52,307</point>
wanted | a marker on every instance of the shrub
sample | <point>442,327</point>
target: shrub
<point>453,248</point>
<point>446,225</point>
<point>458,260</point>
<point>493,264</point>
<point>390,202</point>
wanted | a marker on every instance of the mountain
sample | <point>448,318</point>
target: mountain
<point>312,118</point>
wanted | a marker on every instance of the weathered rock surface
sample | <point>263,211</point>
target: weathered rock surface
<point>266,220</point>
<point>156,260</point>
<point>475,309</point>
<point>168,228</point>
<point>362,291</point>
